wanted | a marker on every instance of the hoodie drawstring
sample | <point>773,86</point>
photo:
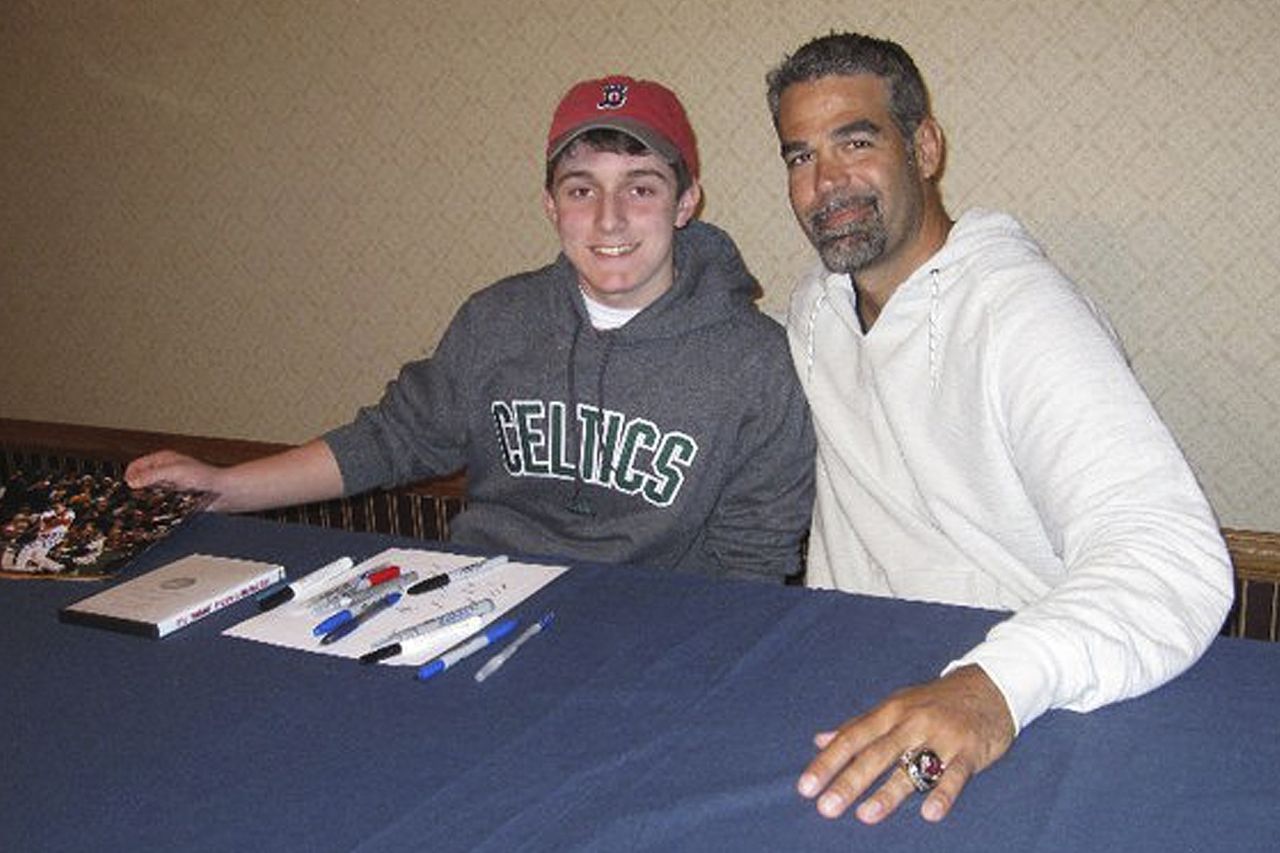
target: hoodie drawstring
<point>935,328</point>
<point>578,503</point>
<point>812,336</point>
<point>934,331</point>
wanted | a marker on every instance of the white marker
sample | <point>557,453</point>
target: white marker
<point>303,585</point>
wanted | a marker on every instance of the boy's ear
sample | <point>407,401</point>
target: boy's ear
<point>549,206</point>
<point>687,206</point>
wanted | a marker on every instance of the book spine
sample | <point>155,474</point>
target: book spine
<point>203,609</point>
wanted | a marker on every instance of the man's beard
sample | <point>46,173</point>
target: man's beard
<point>850,246</point>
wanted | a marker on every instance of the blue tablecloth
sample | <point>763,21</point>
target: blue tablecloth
<point>661,712</point>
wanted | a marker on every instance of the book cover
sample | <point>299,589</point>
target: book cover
<point>173,596</point>
<point>70,526</point>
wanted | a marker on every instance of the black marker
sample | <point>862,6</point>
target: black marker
<point>382,604</point>
<point>442,637</point>
<point>464,573</point>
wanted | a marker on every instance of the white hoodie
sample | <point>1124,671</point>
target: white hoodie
<point>986,443</point>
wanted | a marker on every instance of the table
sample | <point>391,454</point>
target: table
<point>661,712</point>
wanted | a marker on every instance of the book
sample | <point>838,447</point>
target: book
<point>72,526</point>
<point>173,596</point>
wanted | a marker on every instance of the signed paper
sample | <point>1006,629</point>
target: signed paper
<point>291,624</point>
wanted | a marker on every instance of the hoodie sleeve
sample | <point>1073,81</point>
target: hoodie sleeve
<point>1147,578</point>
<point>764,510</point>
<point>418,428</point>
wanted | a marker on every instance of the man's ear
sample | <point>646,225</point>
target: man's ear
<point>687,206</point>
<point>929,148</point>
<point>549,206</point>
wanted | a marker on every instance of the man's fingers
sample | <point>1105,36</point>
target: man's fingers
<point>898,788</point>
<point>940,800</point>
<point>836,749</point>
<point>850,768</point>
<point>885,801</point>
<point>962,717</point>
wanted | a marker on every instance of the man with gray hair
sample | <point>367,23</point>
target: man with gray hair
<point>981,441</point>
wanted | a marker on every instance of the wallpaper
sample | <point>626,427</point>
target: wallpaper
<point>240,218</point>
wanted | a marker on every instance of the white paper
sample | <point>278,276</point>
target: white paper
<point>291,625</point>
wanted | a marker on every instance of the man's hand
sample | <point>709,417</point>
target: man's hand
<point>961,716</point>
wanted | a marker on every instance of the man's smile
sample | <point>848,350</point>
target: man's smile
<point>839,212</point>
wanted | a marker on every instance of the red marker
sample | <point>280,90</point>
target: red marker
<point>340,596</point>
<point>381,576</point>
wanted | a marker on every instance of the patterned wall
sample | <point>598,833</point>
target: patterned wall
<point>239,218</point>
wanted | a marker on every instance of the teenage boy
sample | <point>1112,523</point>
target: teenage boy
<point>625,404</point>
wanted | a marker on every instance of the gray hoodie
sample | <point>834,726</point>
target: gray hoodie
<point>681,440</point>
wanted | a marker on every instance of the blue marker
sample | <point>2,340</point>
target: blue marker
<point>354,610</point>
<point>343,616</point>
<point>384,603</point>
<point>461,652</point>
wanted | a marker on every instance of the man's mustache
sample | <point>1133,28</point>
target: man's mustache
<point>819,217</point>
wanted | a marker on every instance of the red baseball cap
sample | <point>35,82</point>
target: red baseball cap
<point>641,108</point>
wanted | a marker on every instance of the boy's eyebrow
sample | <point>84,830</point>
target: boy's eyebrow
<point>792,148</point>
<point>568,174</point>
<point>649,172</point>
<point>588,175</point>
